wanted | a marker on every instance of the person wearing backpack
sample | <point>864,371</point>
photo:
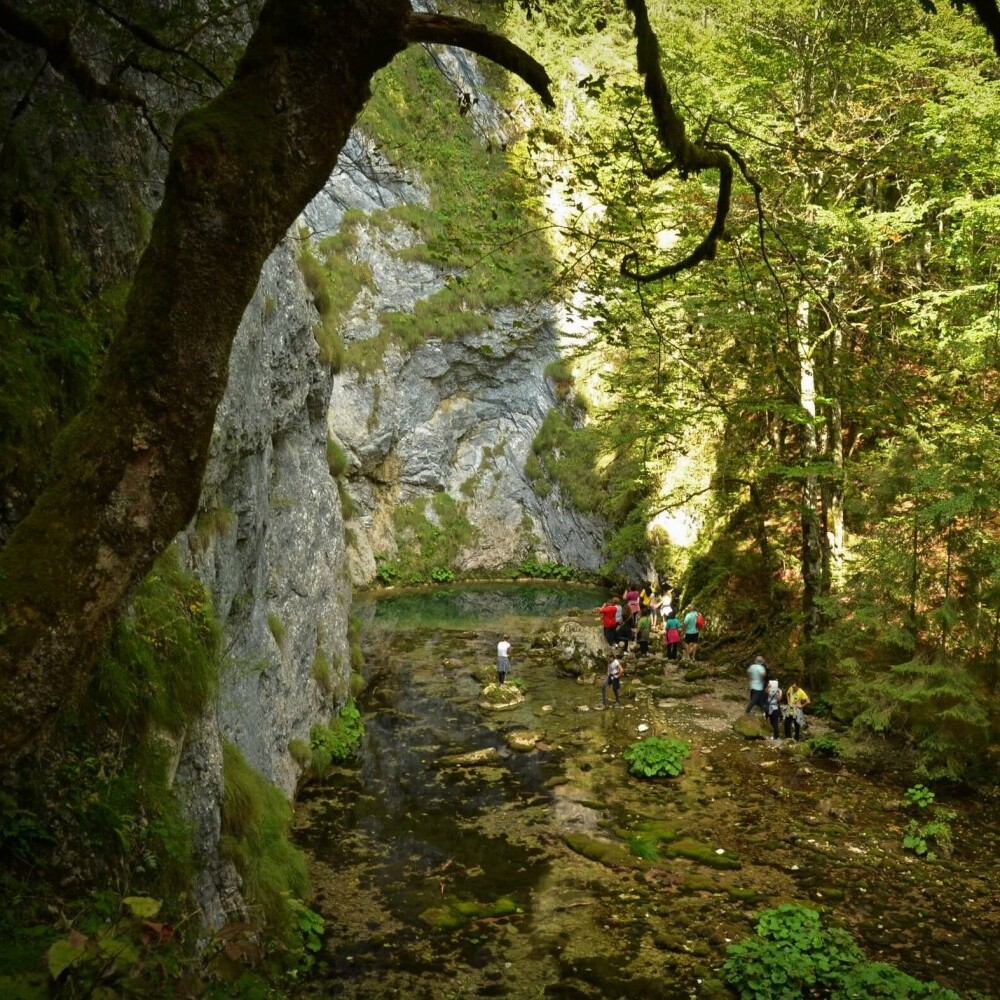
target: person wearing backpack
<point>773,710</point>
<point>692,633</point>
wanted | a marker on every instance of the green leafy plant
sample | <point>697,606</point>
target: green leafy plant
<point>654,757</point>
<point>541,570</point>
<point>337,742</point>
<point>918,795</point>
<point>442,575</point>
<point>792,955</point>
<point>928,839</point>
<point>386,573</point>
<point>309,926</point>
<point>824,745</point>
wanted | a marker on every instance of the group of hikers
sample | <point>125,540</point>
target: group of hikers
<point>636,616</point>
<point>766,694</point>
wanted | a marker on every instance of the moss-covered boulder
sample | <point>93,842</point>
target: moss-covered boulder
<point>455,913</point>
<point>604,852</point>
<point>695,850</point>
<point>499,697</point>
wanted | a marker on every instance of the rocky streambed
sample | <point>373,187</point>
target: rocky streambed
<point>479,852</point>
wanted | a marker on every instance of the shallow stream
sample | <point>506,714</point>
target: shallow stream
<point>448,865</point>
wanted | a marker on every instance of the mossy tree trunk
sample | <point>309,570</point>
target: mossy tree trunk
<point>128,471</point>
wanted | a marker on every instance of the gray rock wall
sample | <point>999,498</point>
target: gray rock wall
<point>269,542</point>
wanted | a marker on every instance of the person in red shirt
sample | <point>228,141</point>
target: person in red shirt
<point>610,617</point>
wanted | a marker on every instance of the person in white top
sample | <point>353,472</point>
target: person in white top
<point>503,659</point>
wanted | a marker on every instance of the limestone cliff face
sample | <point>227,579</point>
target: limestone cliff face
<point>269,538</point>
<point>456,415</point>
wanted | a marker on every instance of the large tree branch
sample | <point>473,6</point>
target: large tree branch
<point>151,40</point>
<point>440,29</point>
<point>686,156</point>
<point>127,472</point>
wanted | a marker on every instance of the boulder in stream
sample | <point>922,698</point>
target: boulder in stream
<point>523,740</point>
<point>500,697</point>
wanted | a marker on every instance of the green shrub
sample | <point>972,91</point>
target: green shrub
<point>824,745</point>
<point>657,758</point>
<point>918,795</point>
<point>386,573</point>
<point>791,956</point>
<point>337,742</point>
<point>878,979</point>
<point>536,570</point>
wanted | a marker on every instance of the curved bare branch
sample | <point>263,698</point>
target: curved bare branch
<point>688,157</point>
<point>441,29</point>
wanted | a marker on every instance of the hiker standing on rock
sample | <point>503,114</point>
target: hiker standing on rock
<point>613,679</point>
<point>757,672</point>
<point>693,623</point>
<point>672,636</point>
<point>503,659</point>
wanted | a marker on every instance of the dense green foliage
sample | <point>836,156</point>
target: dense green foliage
<point>792,955</point>
<point>99,807</point>
<point>813,414</point>
<point>336,743</point>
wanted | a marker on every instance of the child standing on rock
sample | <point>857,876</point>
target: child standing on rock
<point>503,659</point>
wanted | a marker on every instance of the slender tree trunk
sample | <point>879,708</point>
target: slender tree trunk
<point>128,470</point>
<point>763,541</point>
<point>833,484</point>
<point>812,556</point>
<point>914,579</point>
